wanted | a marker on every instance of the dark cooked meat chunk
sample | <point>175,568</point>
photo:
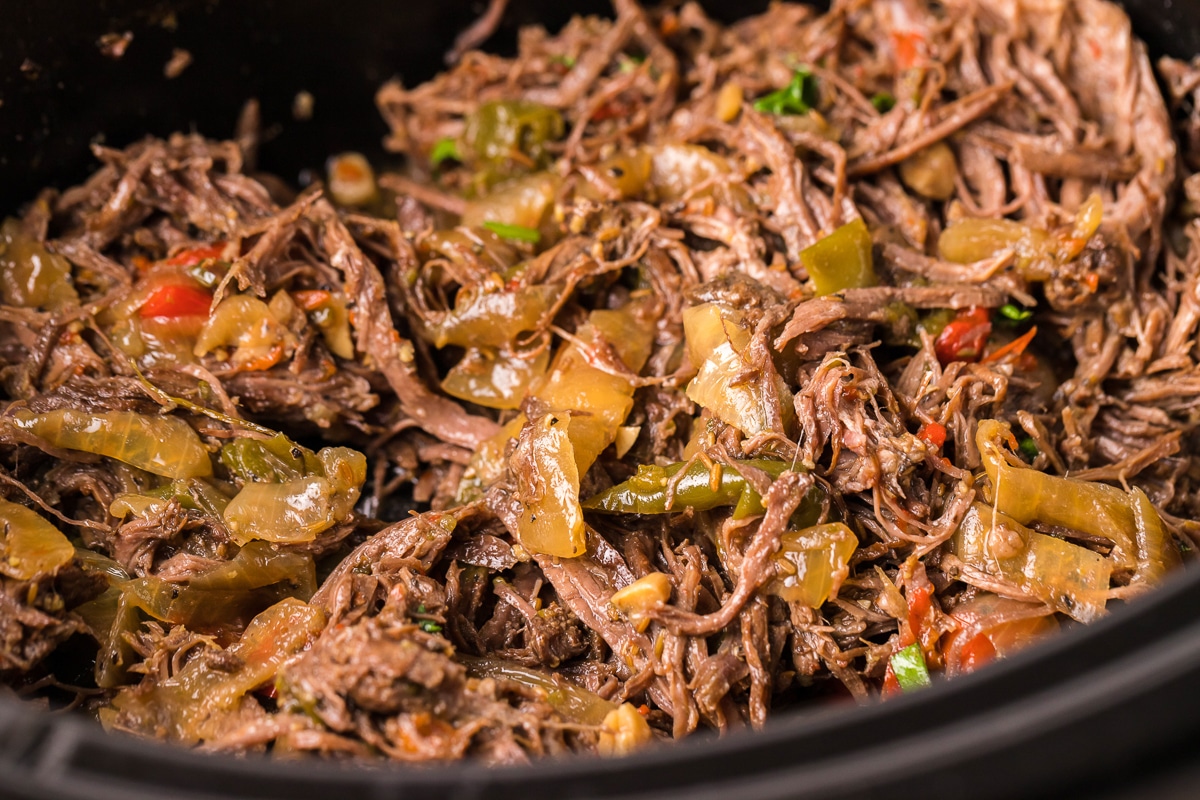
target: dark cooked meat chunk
<point>397,687</point>
<point>35,616</point>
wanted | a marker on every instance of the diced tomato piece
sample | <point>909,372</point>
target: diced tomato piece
<point>311,299</point>
<point>964,338</point>
<point>891,686</point>
<point>192,257</point>
<point>176,300</point>
<point>934,433</point>
<point>976,653</point>
<point>669,24</point>
<point>909,47</point>
<point>920,605</point>
<point>611,110</point>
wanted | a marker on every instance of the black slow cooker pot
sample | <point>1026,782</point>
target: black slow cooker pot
<point>1110,711</point>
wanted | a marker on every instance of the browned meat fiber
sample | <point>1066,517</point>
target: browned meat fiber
<point>682,374</point>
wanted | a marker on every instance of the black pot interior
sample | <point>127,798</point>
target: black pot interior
<point>60,93</point>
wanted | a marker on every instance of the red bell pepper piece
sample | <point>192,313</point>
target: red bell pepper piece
<point>976,653</point>
<point>192,257</point>
<point>934,433</point>
<point>964,338</point>
<point>173,300</point>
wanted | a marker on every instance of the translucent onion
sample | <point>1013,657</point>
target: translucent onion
<point>969,239</point>
<point>524,201</point>
<point>488,462</point>
<point>328,312</point>
<point>100,612</point>
<point>812,563</point>
<point>598,400</point>
<point>670,173</point>
<point>491,315</point>
<point>351,180</point>
<point>30,546</point>
<point>30,275</point>
<point>228,595</point>
<point>1157,553</point>
<point>725,383</point>
<point>190,706</point>
<point>163,445</point>
<point>290,494</point>
<point>471,250</point>
<point>592,401</point>
<point>289,512</point>
<point>91,561</point>
<point>256,565</point>
<point>677,170</point>
<point>551,519</point>
<point>116,653</point>
<point>626,172</point>
<point>495,378</point>
<point>271,460</point>
<point>194,494</point>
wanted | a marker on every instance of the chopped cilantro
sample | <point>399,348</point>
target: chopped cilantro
<point>445,149</point>
<point>628,63</point>
<point>883,102</point>
<point>908,665</point>
<point>798,97</point>
<point>1015,313</point>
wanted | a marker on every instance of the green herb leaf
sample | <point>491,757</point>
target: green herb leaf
<point>883,102</point>
<point>429,626</point>
<point>1028,448</point>
<point>1015,312</point>
<point>445,149</point>
<point>798,97</point>
<point>908,665</point>
<point>518,233</point>
<point>566,60</point>
<point>627,63</point>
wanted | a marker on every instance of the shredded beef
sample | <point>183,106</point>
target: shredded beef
<point>806,257</point>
